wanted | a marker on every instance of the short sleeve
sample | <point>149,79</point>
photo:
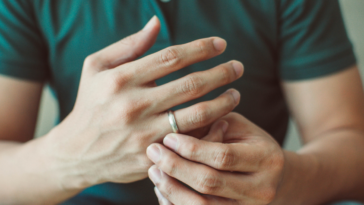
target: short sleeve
<point>312,39</point>
<point>23,53</point>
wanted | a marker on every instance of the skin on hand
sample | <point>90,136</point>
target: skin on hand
<point>331,127</point>
<point>238,165</point>
<point>120,111</point>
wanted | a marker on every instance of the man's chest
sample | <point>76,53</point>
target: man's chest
<point>75,29</point>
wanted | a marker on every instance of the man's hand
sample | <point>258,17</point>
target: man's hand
<point>245,167</point>
<point>120,111</point>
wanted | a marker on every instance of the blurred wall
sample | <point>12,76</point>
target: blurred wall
<point>353,16</point>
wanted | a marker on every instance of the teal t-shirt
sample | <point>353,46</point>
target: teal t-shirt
<point>277,40</point>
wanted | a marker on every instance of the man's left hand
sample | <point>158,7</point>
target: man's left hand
<point>236,163</point>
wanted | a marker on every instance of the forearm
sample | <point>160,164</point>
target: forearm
<point>326,169</point>
<point>26,177</point>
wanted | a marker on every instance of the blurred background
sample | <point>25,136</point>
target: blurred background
<point>353,17</point>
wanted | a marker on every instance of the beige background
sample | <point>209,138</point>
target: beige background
<point>353,16</point>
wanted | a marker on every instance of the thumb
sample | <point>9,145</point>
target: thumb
<point>127,49</point>
<point>217,131</point>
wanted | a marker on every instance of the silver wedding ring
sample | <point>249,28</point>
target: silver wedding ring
<point>172,121</point>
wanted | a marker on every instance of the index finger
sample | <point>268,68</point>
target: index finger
<point>171,59</point>
<point>127,49</point>
<point>238,157</point>
<point>170,190</point>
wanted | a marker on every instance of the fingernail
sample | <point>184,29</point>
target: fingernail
<point>153,153</point>
<point>171,141</point>
<point>150,23</point>
<point>238,68</point>
<point>236,95</point>
<point>225,126</point>
<point>219,44</point>
<point>155,174</point>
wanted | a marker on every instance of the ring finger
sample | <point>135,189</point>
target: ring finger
<point>200,177</point>
<point>169,190</point>
<point>201,114</point>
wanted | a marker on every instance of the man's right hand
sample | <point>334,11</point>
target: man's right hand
<point>120,111</point>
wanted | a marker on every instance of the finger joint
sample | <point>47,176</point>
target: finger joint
<point>166,188</point>
<point>267,195</point>
<point>92,61</point>
<point>202,47</point>
<point>225,74</point>
<point>170,56</point>
<point>119,80</point>
<point>192,85</point>
<point>200,116</point>
<point>224,158</point>
<point>209,183</point>
<point>191,150</point>
<point>170,166</point>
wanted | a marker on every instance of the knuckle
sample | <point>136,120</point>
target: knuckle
<point>202,47</point>
<point>200,116</point>
<point>209,183</point>
<point>119,80</point>
<point>191,150</point>
<point>225,73</point>
<point>224,158</point>
<point>278,161</point>
<point>128,116</point>
<point>272,157</point>
<point>192,85</point>
<point>170,56</point>
<point>170,165</point>
<point>134,108</point>
<point>91,61</point>
<point>267,195</point>
<point>141,103</point>
<point>165,188</point>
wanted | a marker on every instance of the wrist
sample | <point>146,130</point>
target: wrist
<point>61,171</point>
<point>28,169</point>
<point>298,171</point>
